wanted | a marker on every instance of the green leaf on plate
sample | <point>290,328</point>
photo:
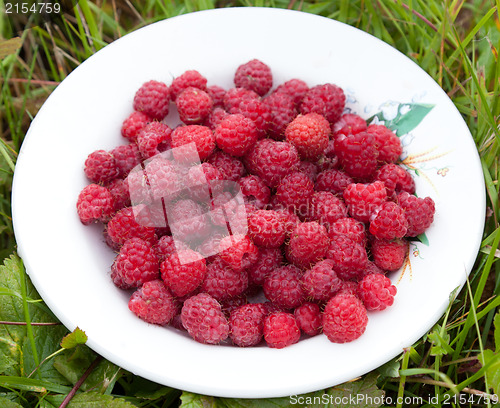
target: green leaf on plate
<point>75,338</point>
<point>407,118</point>
<point>423,239</point>
<point>96,400</point>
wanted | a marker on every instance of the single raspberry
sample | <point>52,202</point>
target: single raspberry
<point>376,291</point>
<point>204,320</point>
<point>308,244</point>
<point>388,144</point>
<point>344,318</point>
<point>135,264</point>
<point>183,272</point>
<point>133,124</point>
<point>124,226</point>
<point>201,179</point>
<point>350,228</point>
<point>217,94</point>
<point>349,257</point>
<point>389,255</point>
<point>234,97</point>
<point>419,212</point>
<point>187,220</point>
<point>193,105</point>
<point>209,248</point>
<point>119,191</point>
<point>395,178</point>
<point>321,281</point>
<point>334,181</point>
<point>310,134</point>
<point>95,203</point>
<point>167,246</point>
<point>154,138</point>
<point>326,208</point>
<point>238,251</point>
<point>349,124</point>
<point>282,111</point>
<point>289,218</point>
<point>327,100</point>
<point>153,99</point>
<point>161,180</point>
<point>358,154</point>
<point>151,215</point>
<point>201,136</point>
<point>236,134</point>
<point>246,325</point>
<point>295,88</point>
<point>267,228</point>
<point>230,167</point>
<point>254,75</point>
<point>363,199</point>
<point>257,111</point>
<point>222,283</point>
<point>190,78</point>
<point>308,317</point>
<point>255,191</point>
<point>215,117</point>
<point>100,167</point>
<point>310,169</point>
<point>282,287</point>
<point>281,330</point>
<point>388,221</point>
<point>294,191</point>
<point>126,158</point>
<point>269,259</point>
<point>153,303</point>
<point>232,304</point>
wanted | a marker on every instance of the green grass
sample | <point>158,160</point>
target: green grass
<point>455,41</point>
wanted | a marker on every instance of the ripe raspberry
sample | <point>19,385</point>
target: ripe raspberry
<point>269,259</point>
<point>308,244</point>
<point>236,134</point>
<point>204,320</point>
<point>295,88</point>
<point>388,144</point>
<point>254,75</point>
<point>246,325</point>
<point>100,167</point>
<point>349,287</point>
<point>419,212</point>
<point>235,96</point>
<point>126,158</point>
<point>202,179</point>
<point>255,191</point>
<point>190,78</point>
<point>308,317</point>
<point>334,181</point>
<point>282,111</point>
<point>281,330</point>
<point>267,228</point>
<point>310,169</point>
<point>282,287</point>
<point>257,111</point>
<point>238,251</point>
<point>294,191</point>
<point>349,227</point>
<point>289,218</point>
<point>209,248</point>
<point>119,191</point>
<point>153,98</point>
<point>187,220</point>
<point>230,167</point>
<point>225,209</point>
<point>321,281</point>
<point>232,304</point>
<point>167,246</point>
<point>154,138</point>
<point>310,134</point>
<point>193,105</point>
<point>326,208</point>
<point>358,154</point>
<point>389,255</point>
<point>215,117</point>
<point>395,178</point>
<point>183,272</point>
<point>133,125</point>
<point>201,136</point>
<point>135,264</point>
<point>376,291</point>
<point>344,318</point>
<point>363,199</point>
<point>153,303</point>
<point>95,203</point>
<point>388,221</point>
<point>222,283</point>
<point>124,226</point>
<point>161,180</point>
<point>349,124</point>
<point>217,94</point>
<point>349,257</point>
<point>327,100</point>
<point>370,269</point>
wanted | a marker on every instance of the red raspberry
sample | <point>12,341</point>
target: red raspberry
<point>349,257</point>
<point>289,218</point>
<point>419,212</point>
<point>204,320</point>
<point>236,134</point>
<point>135,264</point>
<point>295,88</point>
<point>217,94</point>
<point>167,246</point>
<point>162,179</point>
<point>310,169</point>
<point>388,221</point>
<point>358,154</point>
<point>344,318</point>
<point>349,124</point>
<point>376,291</point>
<point>226,209</point>
<point>193,105</point>
<point>124,226</point>
<point>294,192</point>
<point>334,181</point>
<point>201,179</point>
<point>281,330</point>
<point>235,96</point>
<point>321,281</point>
<point>267,228</point>
<point>187,220</point>
<point>255,191</point>
<point>282,287</point>
<point>327,100</point>
<point>153,98</point>
<point>349,287</point>
<point>119,191</point>
<point>309,134</point>
<point>190,78</point>
<point>389,255</point>
<point>153,303</point>
<point>209,248</point>
<point>95,203</point>
<point>126,158</point>
<point>308,244</point>
<point>232,304</point>
<point>246,325</point>
<point>201,136</point>
<point>222,283</point>
<point>254,75</point>
<point>388,144</point>
<point>154,138</point>
<point>395,178</point>
<point>133,125</point>
<point>183,272</point>
<point>215,117</point>
<point>282,111</point>
<point>269,259</point>
<point>100,167</point>
<point>363,199</point>
<point>350,228</point>
<point>230,167</point>
<point>308,317</point>
<point>326,208</point>
<point>255,110</point>
<point>238,251</point>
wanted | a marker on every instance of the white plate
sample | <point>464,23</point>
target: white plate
<point>69,264</point>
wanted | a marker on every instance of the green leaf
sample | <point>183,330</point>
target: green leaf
<point>73,339</point>
<point>407,118</point>
<point>390,369</point>
<point>496,322</point>
<point>294,401</point>
<point>492,361</point>
<point>423,239</point>
<point>190,400</point>
<point>440,342</point>
<point>96,400</point>
<point>5,403</point>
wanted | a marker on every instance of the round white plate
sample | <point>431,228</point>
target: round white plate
<point>69,264</point>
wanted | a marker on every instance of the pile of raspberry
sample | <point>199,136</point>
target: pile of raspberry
<point>328,210</point>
